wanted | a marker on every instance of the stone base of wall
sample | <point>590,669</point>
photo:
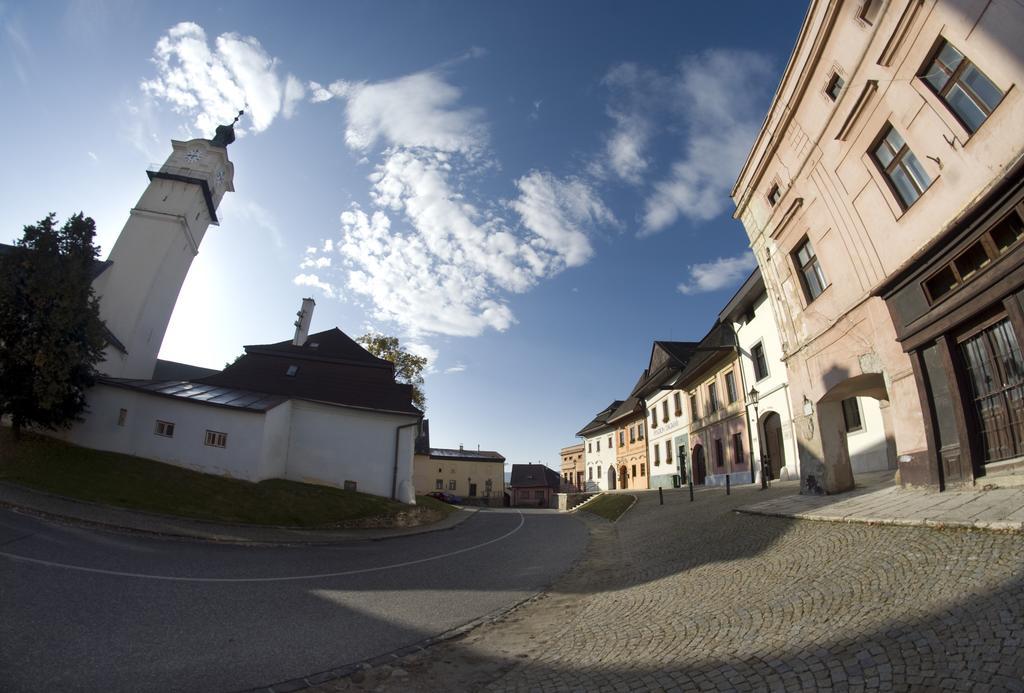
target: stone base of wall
<point>737,479</point>
<point>665,481</point>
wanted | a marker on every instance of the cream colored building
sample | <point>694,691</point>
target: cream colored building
<point>574,467</point>
<point>473,475</point>
<point>883,200</point>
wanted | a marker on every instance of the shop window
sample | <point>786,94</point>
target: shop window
<point>995,369</point>
<point>994,243</point>
<point>966,90</point>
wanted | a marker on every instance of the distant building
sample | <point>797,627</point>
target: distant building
<point>718,431</point>
<point>883,199</point>
<point>598,438</point>
<point>533,485</point>
<point>474,475</point>
<point>664,413</point>
<point>574,467</point>
<point>631,448</point>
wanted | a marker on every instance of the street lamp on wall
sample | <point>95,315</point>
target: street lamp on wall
<point>752,399</point>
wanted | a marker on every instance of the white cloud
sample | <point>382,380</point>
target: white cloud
<point>426,351</point>
<point>214,84</point>
<point>718,94</point>
<point>636,95</point>
<point>718,274</point>
<point>559,211</point>
<point>248,212</point>
<point>457,368</point>
<point>315,282</point>
<point>92,155</point>
<point>413,111</point>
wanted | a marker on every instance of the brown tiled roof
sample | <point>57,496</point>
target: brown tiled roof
<point>337,371</point>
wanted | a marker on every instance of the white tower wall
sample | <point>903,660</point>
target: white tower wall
<point>154,252</point>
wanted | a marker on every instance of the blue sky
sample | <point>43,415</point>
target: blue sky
<point>527,192</point>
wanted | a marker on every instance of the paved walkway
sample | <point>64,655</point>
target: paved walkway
<point>877,500</point>
<point>71,511</point>
<point>696,597</point>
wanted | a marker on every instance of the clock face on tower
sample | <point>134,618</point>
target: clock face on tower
<point>193,155</point>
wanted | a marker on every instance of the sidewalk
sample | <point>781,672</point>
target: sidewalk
<point>70,511</point>
<point>879,501</point>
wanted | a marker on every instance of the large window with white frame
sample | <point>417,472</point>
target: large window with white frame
<point>760,362</point>
<point>216,439</point>
<point>812,277</point>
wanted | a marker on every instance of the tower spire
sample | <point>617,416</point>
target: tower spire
<point>225,134</point>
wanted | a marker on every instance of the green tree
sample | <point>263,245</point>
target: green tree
<point>408,367</point>
<point>51,335</point>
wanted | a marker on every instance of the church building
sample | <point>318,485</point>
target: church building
<point>316,408</point>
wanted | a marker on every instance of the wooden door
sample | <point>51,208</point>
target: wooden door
<point>995,369</point>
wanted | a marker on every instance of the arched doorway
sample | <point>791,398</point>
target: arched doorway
<point>611,478</point>
<point>771,435</point>
<point>623,477</point>
<point>699,468</point>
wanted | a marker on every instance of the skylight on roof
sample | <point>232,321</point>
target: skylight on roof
<point>292,370</point>
<point>314,345</point>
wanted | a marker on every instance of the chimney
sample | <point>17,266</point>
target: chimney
<point>302,324</point>
<point>460,447</point>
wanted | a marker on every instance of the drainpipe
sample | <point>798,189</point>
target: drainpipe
<point>394,475</point>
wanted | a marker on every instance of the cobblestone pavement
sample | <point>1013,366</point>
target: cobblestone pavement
<point>697,597</point>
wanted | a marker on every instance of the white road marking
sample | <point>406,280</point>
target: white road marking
<point>289,578</point>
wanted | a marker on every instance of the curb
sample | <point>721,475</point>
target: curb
<point>1003,526</point>
<point>73,521</point>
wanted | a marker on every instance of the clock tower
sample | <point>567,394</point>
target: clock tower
<point>153,254</point>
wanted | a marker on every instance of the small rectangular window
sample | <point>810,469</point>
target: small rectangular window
<point>835,86</point>
<point>633,470</point>
<point>668,452</point>
<point>719,453</point>
<point>657,455</point>
<point>632,434</point>
<point>292,371</point>
<point>664,410</point>
<point>713,398</point>
<point>677,400</point>
<point>590,447</point>
<point>774,195</point>
<point>122,417</point>
<point>869,11</point>
<point>165,429</point>
<point>609,442</point>
<point>451,484</point>
<point>760,363</point>
<point>640,432</point>
<point>811,275</point>
<point>439,484</point>
<point>730,387</point>
<point>737,449</point>
<point>694,414</point>
<point>216,439</point>
<point>598,445</point>
<point>622,438</point>
<point>851,415</point>
<point>643,469</point>
<point>654,417</point>
<point>966,90</point>
<point>904,173</point>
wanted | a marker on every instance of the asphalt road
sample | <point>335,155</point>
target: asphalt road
<point>88,610</point>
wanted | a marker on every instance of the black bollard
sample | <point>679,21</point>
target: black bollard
<point>690,482</point>
<point>661,497</point>
<point>727,484</point>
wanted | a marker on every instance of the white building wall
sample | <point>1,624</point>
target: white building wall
<point>331,445</point>
<point>187,448</point>
<point>868,447</point>
<point>665,432</point>
<point>773,389</point>
<point>598,461</point>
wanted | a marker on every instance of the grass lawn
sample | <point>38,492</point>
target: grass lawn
<point>610,506</point>
<point>133,482</point>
